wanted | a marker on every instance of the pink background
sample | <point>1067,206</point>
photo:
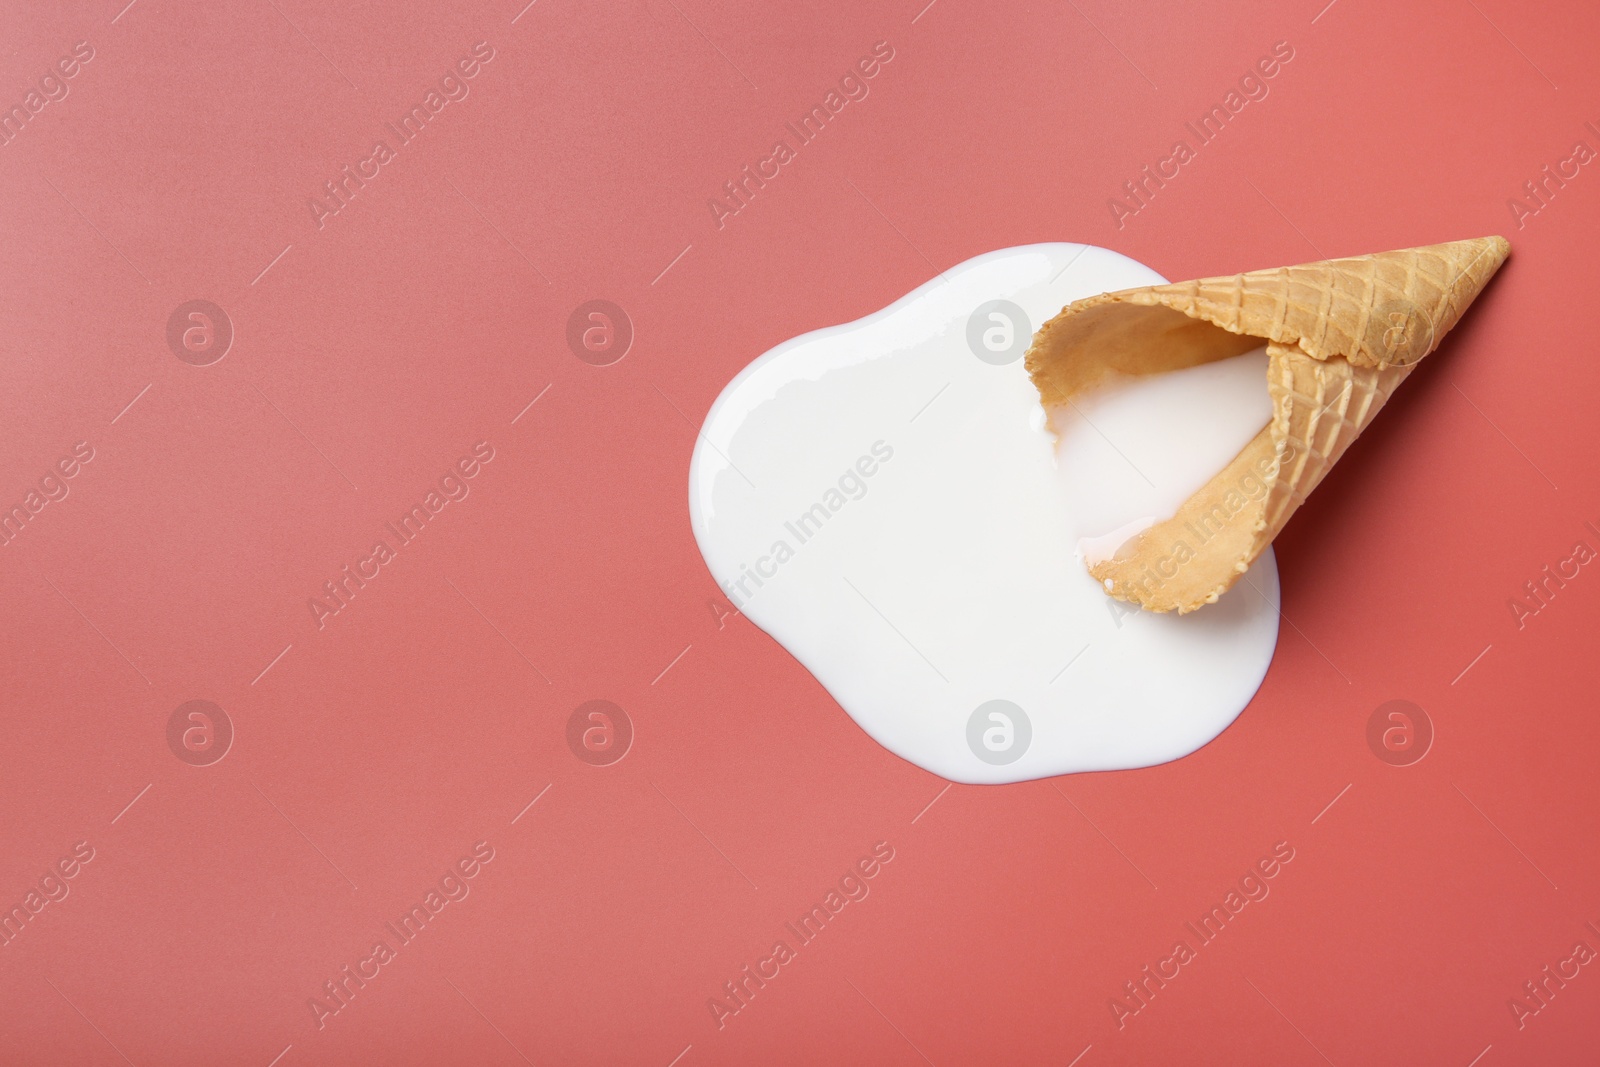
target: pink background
<point>373,352</point>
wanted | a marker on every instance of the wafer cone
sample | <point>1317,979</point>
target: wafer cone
<point>1341,335</point>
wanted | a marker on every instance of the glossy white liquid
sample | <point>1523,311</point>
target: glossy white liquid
<point>1131,452</point>
<point>887,505</point>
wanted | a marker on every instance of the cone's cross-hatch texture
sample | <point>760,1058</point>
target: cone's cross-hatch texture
<point>1341,335</point>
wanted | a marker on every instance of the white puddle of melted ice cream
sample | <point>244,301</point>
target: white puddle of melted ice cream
<point>884,499</point>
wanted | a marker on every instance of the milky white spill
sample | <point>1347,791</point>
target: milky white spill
<point>887,500</point>
<point>1130,453</point>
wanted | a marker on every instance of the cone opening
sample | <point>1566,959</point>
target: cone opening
<point>1150,409</point>
<point>1073,354</point>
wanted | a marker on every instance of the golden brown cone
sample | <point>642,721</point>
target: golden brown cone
<point>1341,336</point>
